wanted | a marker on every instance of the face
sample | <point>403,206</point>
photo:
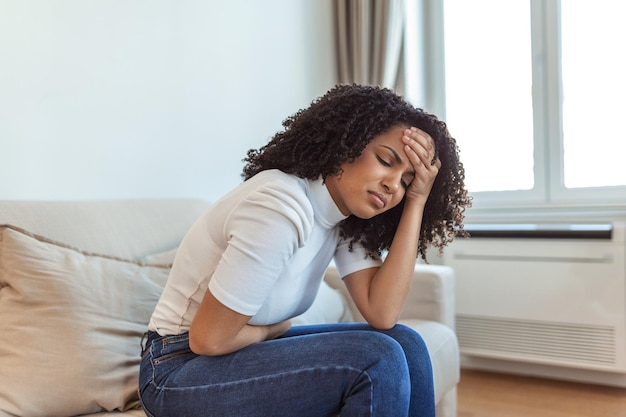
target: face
<point>377,180</point>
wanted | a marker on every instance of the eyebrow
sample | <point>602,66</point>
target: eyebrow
<point>396,156</point>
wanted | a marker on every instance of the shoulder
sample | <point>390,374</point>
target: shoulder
<point>273,198</point>
<point>279,189</point>
<point>279,179</point>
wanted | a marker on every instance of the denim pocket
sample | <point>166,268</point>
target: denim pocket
<point>170,356</point>
<point>167,354</point>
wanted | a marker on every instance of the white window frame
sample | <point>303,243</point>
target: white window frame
<point>549,193</point>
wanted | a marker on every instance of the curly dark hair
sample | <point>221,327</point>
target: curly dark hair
<point>336,128</point>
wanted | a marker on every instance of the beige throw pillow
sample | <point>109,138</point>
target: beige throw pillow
<point>70,327</point>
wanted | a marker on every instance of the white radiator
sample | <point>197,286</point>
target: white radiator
<point>546,294</point>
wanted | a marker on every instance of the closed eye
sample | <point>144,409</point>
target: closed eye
<point>405,182</point>
<point>382,161</point>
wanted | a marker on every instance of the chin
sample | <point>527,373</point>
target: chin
<point>365,215</point>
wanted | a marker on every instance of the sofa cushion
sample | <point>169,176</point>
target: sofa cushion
<point>71,326</point>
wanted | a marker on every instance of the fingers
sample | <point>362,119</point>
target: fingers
<point>422,146</point>
<point>420,149</point>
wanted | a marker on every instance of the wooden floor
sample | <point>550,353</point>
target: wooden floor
<point>484,394</point>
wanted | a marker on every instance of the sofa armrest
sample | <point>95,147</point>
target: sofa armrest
<point>431,296</point>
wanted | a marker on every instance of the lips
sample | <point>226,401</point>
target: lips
<point>379,199</point>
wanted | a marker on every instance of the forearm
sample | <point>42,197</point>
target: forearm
<point>391,282</point>
<point>217,330</point>
<point>248,335</point>
<point>400,260</point>
<point>380,293</point>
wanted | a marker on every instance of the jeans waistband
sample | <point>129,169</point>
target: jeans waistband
<point>162,345</point>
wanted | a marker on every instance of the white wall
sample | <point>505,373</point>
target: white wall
<point>108,99</point>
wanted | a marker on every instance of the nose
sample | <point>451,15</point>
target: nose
<point>392,183</point>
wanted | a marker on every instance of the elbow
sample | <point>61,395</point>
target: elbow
<point>381,322</point>
<point>203,346</point>
<point>197,345</point>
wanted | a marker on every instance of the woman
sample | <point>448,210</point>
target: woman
<point>358,174</point>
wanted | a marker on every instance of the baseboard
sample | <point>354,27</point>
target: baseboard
<point>544,371</point>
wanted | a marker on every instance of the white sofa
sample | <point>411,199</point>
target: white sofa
<point>78,281</point>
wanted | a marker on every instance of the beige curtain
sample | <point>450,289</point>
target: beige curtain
<point>369,40</point>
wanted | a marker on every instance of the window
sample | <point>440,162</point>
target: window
<point>534,94</point>
<point>488,80</point>
<point>594,89</point>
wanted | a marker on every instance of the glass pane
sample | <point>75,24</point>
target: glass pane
<point>594,88</point>
<point>489,91</point>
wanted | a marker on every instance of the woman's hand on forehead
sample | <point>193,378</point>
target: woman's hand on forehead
<point>419,147</point>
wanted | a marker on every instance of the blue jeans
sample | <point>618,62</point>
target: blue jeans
<point>321,370</point>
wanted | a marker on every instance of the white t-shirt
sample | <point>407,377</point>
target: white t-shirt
<point>261,250</point>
